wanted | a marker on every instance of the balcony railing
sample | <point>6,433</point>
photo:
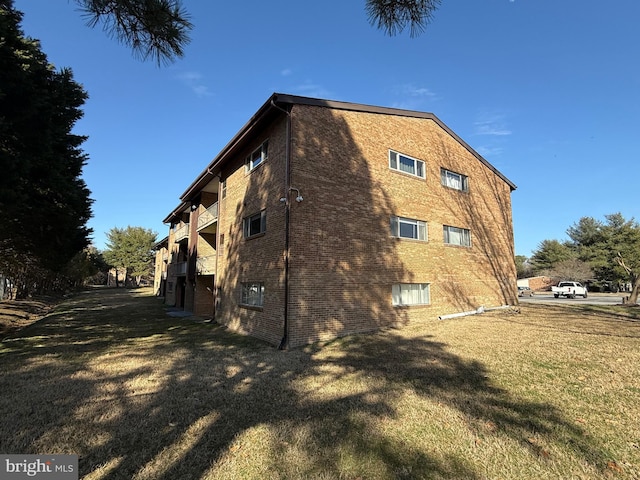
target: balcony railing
<point>206,265</point>
<point>181,233</point>
<point>208,216</point>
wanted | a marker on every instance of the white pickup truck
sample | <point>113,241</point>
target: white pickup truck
<point>569,290</point>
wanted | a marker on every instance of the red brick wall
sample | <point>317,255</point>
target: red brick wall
<point>203,296</point>
<point>170,295</point>
<point>541,283</point>
<point>258,259</point>
<point>343,259</point>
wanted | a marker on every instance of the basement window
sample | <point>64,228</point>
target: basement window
<point>456,236</point>
<point>411,294</point>
<point>405,164</point>
<point>252,294</point>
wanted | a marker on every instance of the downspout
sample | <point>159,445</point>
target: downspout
<point>481,309</point>
<point>287,229</point>
<point>215,276</point>
<point>461,314</point>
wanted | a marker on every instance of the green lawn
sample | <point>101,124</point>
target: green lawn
<point>549,392</point>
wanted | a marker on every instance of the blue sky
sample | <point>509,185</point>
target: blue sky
<point>548,91</point>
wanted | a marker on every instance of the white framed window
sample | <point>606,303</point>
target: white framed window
<point>252,294</point>
<point>402,227</point>
<point>404,163</point>
<point>454,180</point>
<point>256,157</point>
<point>411,294</point>
<point>254,224</point>
<point>456,236</point>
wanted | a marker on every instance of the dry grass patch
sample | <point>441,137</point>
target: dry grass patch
<point>550,392</point>
<point>17,314</point>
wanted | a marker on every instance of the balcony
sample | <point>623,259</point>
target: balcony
<point>206,265</point>
<point>181,233</point>
<point>208,216</point>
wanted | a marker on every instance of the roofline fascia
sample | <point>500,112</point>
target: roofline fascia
<point>160,243</point>
<point>235,141</point>
<point>175,212</point>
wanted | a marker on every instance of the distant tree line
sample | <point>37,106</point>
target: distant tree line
<point>605,252</point>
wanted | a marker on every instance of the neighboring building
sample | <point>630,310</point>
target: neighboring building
<point>160,267</point>
<point>4,290</point>
<point>116,277</point>
<point>540,283</point>
<point>323,218</point>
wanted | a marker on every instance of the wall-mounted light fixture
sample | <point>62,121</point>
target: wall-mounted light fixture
<point>298,197</point>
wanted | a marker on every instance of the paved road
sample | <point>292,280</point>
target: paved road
<point>592,299</point>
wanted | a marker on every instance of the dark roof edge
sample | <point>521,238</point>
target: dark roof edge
<point>175,213</point>
<point>356,107</point>
<point>282,99</point>
<point>208,171</point>
<point>159,244</point>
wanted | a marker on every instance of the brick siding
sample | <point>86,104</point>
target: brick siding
<point>343,259</point>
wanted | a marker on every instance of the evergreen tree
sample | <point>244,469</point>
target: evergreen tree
<point>44,203</point>
<point>549,254</point>
<point>156,29</point>
<point>610,249</point>
<point>131,249</point>
<point>395,16</point>
<point>618,252</point>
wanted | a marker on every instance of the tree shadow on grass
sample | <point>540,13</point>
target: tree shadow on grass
<point>583,320</point>
<point>140,395</point>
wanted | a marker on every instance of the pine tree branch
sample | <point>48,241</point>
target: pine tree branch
<point>393,16</point>
<point>157,29</point>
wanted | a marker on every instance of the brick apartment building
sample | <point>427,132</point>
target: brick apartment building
<point>160,267</point>
<point>322,218</point>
